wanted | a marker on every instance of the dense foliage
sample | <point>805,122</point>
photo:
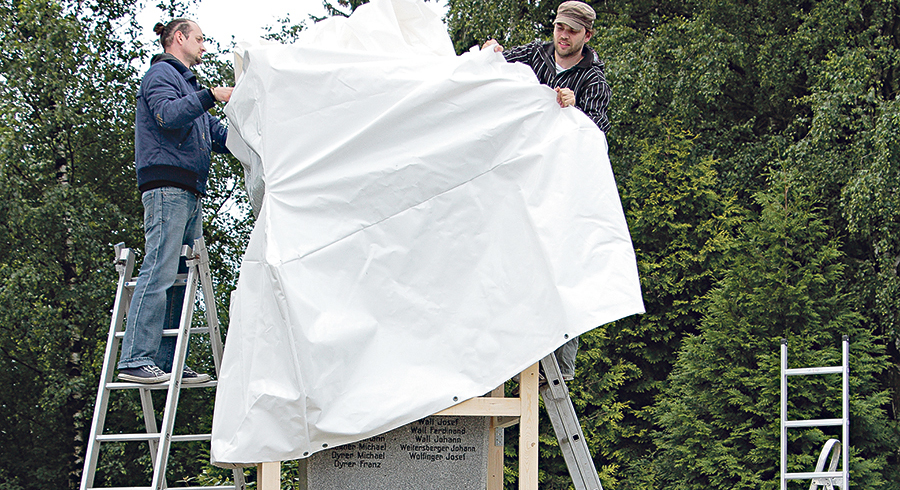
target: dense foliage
<point>757,150</point>
<point>755,147</point>
<point>68,78</point>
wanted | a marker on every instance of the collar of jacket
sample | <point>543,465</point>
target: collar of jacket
<point>588,56</point>
<point>172,60</point>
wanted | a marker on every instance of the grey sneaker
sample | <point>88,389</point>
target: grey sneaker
<point>144,374</point>
<point>189,376</point>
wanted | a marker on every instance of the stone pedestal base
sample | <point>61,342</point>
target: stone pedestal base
<point>438,452</point>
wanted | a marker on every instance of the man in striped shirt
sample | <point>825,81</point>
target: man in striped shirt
<point>575,71</point>
<point>567,64</point>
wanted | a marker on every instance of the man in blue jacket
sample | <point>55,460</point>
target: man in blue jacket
<point>174,135</point>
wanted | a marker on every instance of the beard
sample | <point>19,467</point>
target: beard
<point>567,52</point>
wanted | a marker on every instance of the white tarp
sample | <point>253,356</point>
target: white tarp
<point>431,225</point>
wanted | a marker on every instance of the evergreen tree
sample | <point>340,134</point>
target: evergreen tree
<point>719,413</point>
<point>682,231</point>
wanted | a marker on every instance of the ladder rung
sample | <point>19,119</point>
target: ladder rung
<point>224,487</point>
<point>159,386</point>
<point>151,436</point>
<point>813,474</point>
<point>171,332</point>
<point>181,280</point>
<point>814,370</point>
<point>814,423</point>
<point>119,488</point>
<point>191,437</point>
<point>128,437</point>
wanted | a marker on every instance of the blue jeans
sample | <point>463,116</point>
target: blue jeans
<point>172,218</point>
<point>565,357</point>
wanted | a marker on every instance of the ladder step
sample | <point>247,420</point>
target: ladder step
<point>180,280</point>
<point>159,386</point>
<point>128,437</point>
<point>143,436</point>
<point>813,474</point>
<point>191,437</point>
<point>813,423</point>
<point>225,487</point>
<point>171,332</point>
<point>814,370</point>
<point>119,488</point>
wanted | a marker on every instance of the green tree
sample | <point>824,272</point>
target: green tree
<point>808,90</point>
<point>850,156</point>
<point>719,413</point>
<point>682,231</point>
<point>67,179</point>
<point>67,196</point>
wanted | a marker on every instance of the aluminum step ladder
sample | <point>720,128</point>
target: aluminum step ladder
<point>159,440</point>
<point>820,478</point>
<point>567,428</point>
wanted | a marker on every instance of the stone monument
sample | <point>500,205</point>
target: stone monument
<point>437,452</point>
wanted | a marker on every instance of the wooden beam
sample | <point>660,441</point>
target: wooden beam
<point>495,448</point>
<point>268,476</point>
<point>485,407</point>
<point>528,429</point>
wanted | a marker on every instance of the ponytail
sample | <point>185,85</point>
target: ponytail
<point>167,32</point>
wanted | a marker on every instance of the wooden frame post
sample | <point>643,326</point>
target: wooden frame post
<point>268,476</point>
<point>528,429</point>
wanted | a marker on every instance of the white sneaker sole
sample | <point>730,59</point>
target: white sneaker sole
<point>146,381</point>
<point>200,378</point>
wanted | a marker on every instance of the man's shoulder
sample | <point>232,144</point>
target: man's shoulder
<point>161,70</point>
<point>591,64</point>
<point>167,65</point>
<point>533,46</point>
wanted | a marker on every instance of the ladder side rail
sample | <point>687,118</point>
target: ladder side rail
<point>168,422</point>
<point>209,299</point>
<point>125,267</point>
<point>783,414</point>
<point>149,422</point>
<point>550,392</point>
<point>567,428</point>
<point>563,438</point>
<point>845,435</point>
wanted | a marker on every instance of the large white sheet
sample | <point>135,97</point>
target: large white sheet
<point>430,226</point>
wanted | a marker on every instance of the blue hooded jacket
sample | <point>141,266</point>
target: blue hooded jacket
<point>174,132</point>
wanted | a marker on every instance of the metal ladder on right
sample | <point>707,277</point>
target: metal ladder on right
<point>820,478</point>
<point>567,428</point>
<point>159,440</point>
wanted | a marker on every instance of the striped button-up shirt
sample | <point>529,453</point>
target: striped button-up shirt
<point>586,78</point>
